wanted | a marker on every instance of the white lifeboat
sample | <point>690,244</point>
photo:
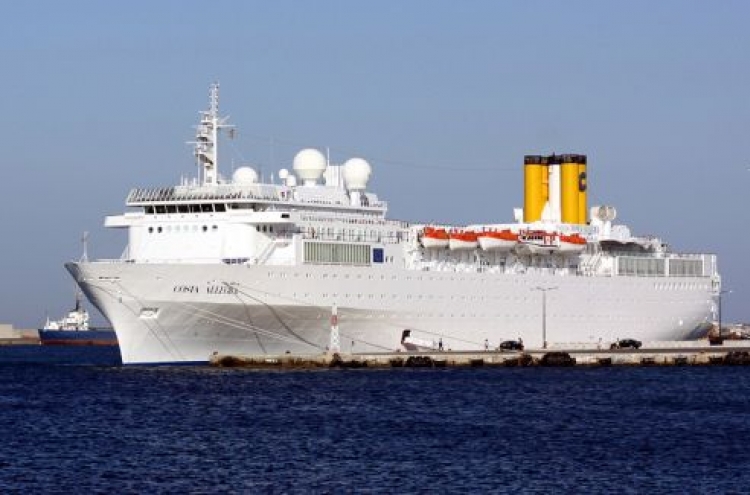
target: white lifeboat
<point>573,243</point>
<point>433,238</point>
<point>462,240</point>
<point>538,242</point>
<point>503,240</point>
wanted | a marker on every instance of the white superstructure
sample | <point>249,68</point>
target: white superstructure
<point>240,266</point>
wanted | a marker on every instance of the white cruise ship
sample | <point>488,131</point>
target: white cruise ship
<point>244,267</point>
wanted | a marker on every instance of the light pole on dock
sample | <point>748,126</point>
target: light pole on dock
<point>335,344</point>
<point>721,293</point>
<point>544,312</point>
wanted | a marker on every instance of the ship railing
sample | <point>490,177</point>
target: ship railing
<point>170,261</point>
<point>173,194</point>
<point>660,255</point>
<point>229,192</point>
<point>365,237</point>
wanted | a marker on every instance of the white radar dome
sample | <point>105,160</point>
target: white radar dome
<point>245,175</point>
<point>604,213</point>
<point>356,173</point>
<point>283,174</point>
<point>309,164</point>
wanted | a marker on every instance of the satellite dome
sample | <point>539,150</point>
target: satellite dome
<point>283,174</point>
<point>356,173</point>
<point>604,213</point>
<point>245,175</point>
<point>309,164</point>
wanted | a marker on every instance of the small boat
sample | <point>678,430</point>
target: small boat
<point>414,344</point>
<point>462,240</point>
<point>503,240</point>
<point>538,242</point>
<point>433,238</point>
<point>572,243</point>
<point>73,329</point>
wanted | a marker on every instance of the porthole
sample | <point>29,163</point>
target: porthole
<point>205,228</point>
<point>158,229</point>
<point>150,230</point>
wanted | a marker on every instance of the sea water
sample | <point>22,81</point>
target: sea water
<point>75,421</point>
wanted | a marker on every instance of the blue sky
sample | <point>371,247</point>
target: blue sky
<point>443,98</point>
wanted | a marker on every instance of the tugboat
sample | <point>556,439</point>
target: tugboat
<point>74,329</point>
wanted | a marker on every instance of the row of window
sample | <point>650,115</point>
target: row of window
<point>180,208</point>
<point>656,267</point>
<point>478,280</point>
<point>340,254</point>
<point>182,228</point>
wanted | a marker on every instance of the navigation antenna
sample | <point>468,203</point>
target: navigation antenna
<point>206,144</point>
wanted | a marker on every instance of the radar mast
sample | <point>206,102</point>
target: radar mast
<point>206,145</point>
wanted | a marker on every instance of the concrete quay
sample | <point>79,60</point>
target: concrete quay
<point>693,355</point>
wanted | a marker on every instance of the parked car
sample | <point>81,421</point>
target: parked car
<point>511,345</point>
<point>626,344</point>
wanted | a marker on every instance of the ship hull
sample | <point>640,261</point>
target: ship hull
<point>77,337</point>
<point>175,313</point>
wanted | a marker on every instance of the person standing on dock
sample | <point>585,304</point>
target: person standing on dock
<point>440,344</point>
<point>486,345</point>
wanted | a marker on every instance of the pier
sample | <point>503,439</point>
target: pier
<point>692,354</point>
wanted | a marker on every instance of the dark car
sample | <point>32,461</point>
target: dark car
<point>510,345</point>
<point>626,344</point>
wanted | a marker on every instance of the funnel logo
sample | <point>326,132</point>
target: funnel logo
<point>582,182</point>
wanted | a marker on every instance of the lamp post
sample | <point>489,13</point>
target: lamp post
<point>721,292</point>
<point>544,312</point>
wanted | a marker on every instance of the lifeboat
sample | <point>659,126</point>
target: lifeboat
<point>503,240</point>
<point>462,240</point>
<point>573,243</point>
<point>433,238</point>
<point>538,242</point>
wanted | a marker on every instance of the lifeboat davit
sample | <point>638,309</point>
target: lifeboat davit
<point>462,240</point>
<point>538,242</point>
<point>573,243</point>
<point>433,238</point>
<point>503,240</point>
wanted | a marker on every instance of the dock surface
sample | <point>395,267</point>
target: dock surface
<point>667,355</point>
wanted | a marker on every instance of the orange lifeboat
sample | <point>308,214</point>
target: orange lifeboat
<point>503,240</point>
<point>433,238</point>
<point>462,240</point>
<point>538,242</point>
<point>573,243</point>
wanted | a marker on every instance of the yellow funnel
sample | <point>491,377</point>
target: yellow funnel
<point>536,183</point>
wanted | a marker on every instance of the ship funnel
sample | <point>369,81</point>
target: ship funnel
<point>555,189</point>
<point>573,188</point>
<point>536,188</point>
